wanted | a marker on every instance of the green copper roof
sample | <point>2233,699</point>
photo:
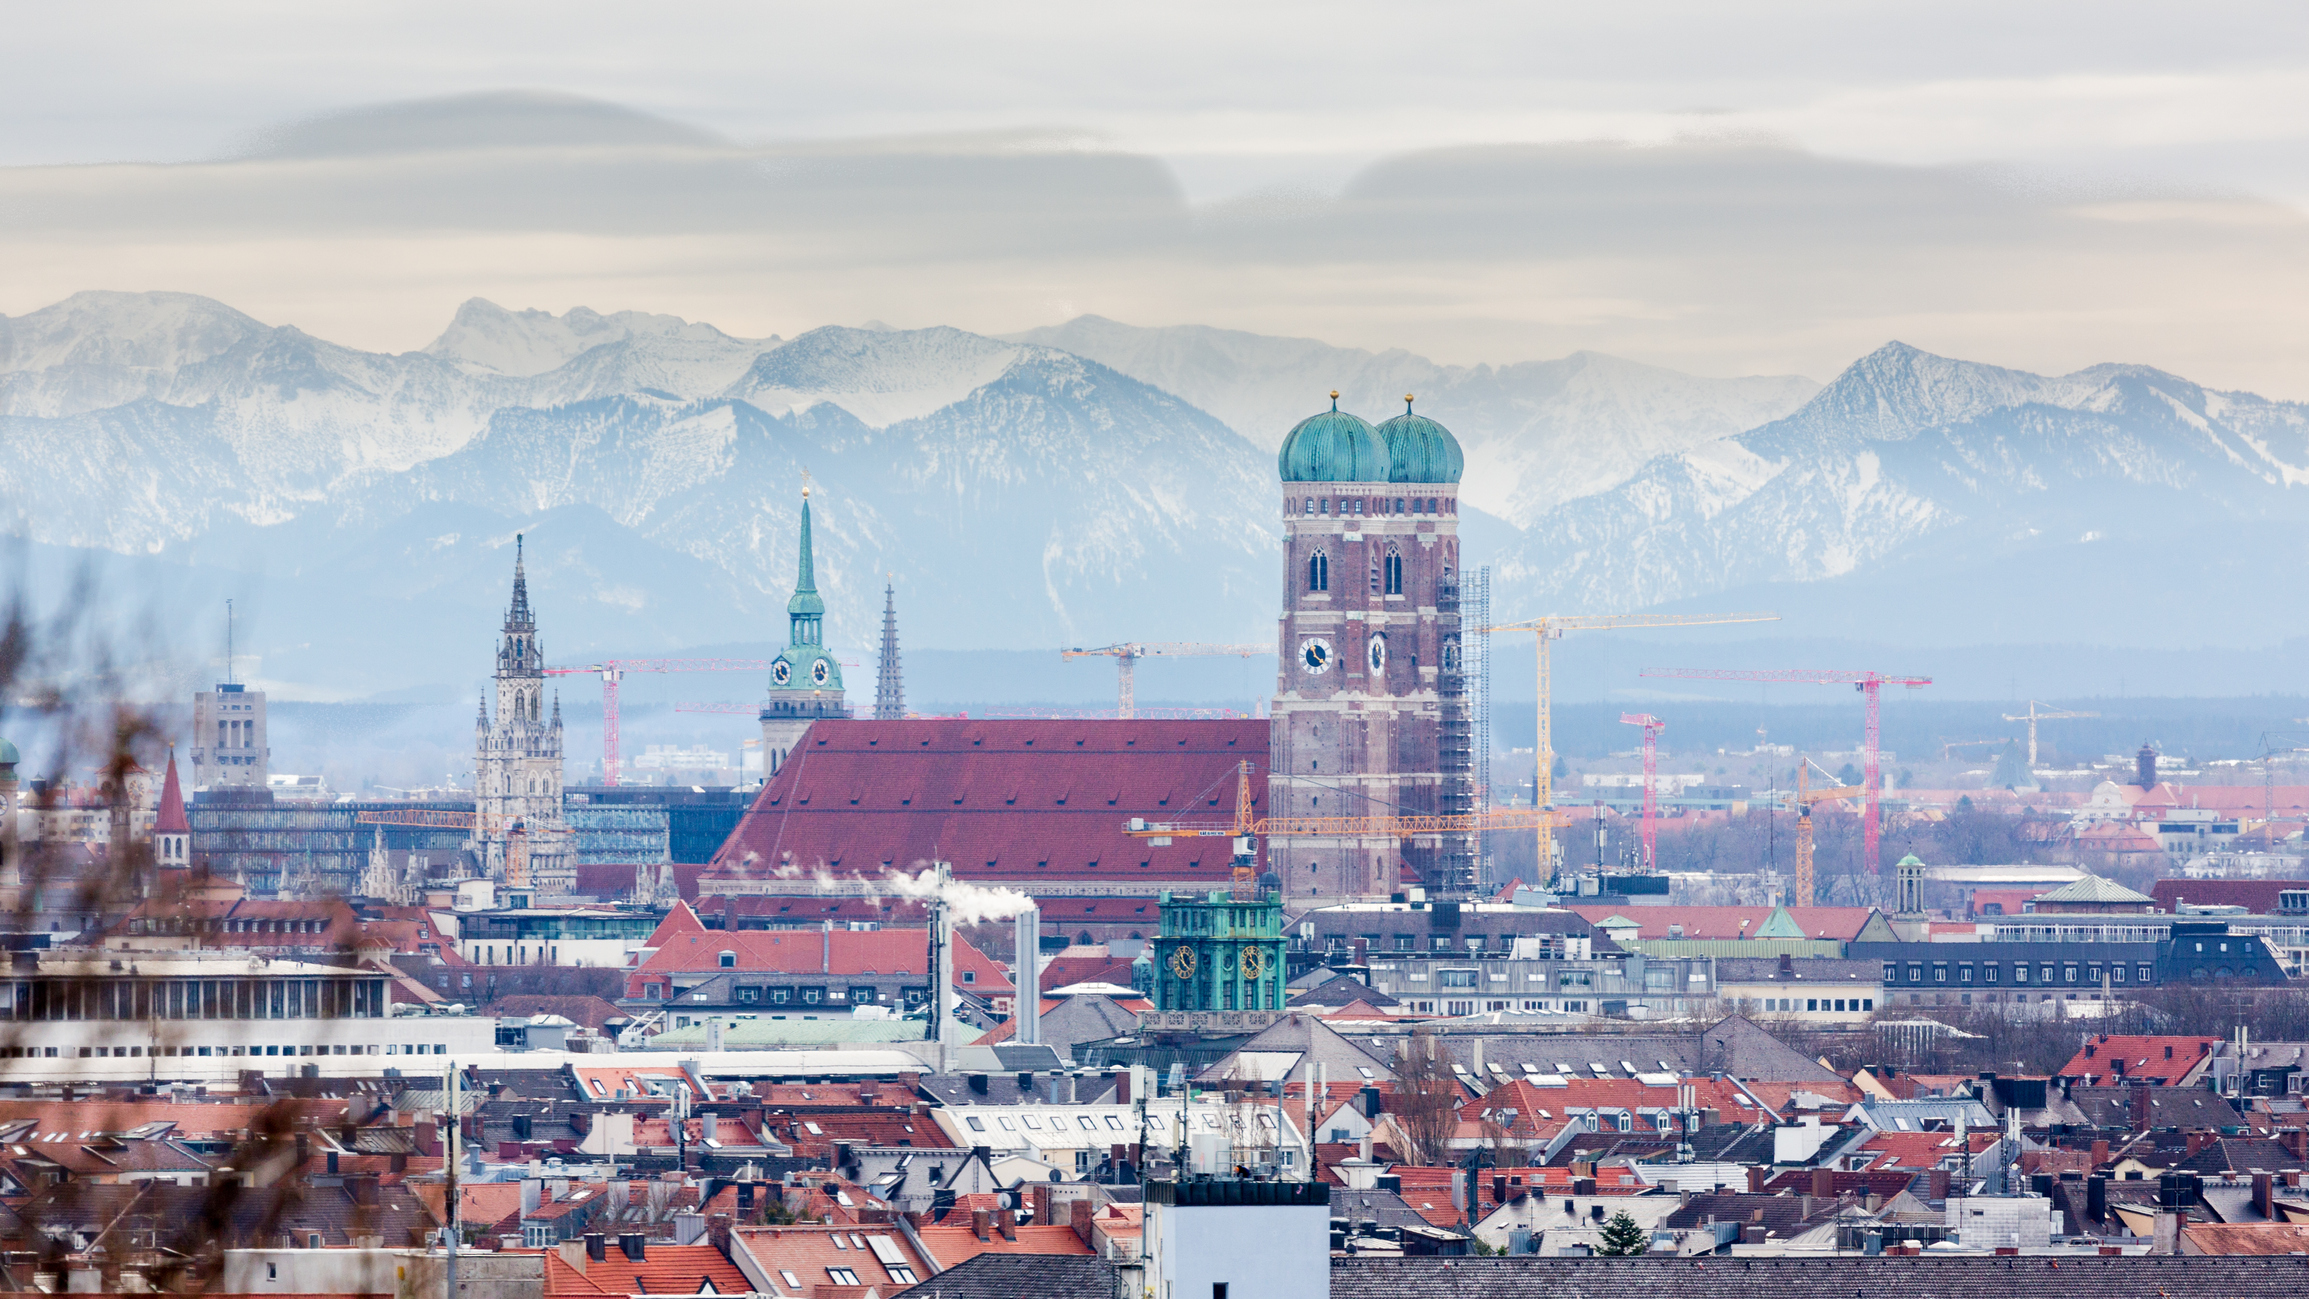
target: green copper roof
<point>1333,447</point>
<point>1419,450</point>
<point>805,666</point>
<point>806,581</point>
<point>1780,924</point>
<point>9,757</point>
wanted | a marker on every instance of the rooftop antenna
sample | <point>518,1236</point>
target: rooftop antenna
<point>228,642</point>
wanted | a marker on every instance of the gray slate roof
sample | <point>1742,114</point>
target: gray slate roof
<point>1834,1277</point>
<point>1804,969</point>
<point>1021,1276</point>
<point>1734,1046</point>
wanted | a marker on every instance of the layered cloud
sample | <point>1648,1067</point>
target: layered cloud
<point>1717,255</point>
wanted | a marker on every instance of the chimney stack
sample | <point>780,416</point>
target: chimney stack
<point>718,1233</point>
<point>633,1245</point>
<point>597,1246</point>
<point>1823,1184</point>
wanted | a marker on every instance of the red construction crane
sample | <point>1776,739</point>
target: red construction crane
<point>1869,684</point>
<point>611,671</point>
<point>1652,728</point>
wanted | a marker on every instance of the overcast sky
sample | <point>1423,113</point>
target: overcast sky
<point>1756,188</point>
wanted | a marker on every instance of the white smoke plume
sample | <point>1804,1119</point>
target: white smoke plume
<point>966,903</point>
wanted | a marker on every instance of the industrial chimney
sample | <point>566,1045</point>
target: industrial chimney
<point>1028,979</point>
<point>2146,761</point>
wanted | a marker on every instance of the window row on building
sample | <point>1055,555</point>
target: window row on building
<point>1358,506</point>
<point>2088,972</point>
<point>52,999</point>
<point>235,1052</point>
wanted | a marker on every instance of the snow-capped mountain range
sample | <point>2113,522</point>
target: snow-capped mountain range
<point>1086,483</point>
<point>1536,434</point>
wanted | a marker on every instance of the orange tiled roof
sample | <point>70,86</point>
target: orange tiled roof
<point>953,1242</point>
<point>663,1269</point>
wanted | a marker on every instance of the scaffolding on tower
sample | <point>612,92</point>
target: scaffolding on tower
<point>1475,613</point>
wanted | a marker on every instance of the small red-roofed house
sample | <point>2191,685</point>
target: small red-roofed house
<point>2107,1060</point>
<point>662,1269</point>
<point>817,1261</point>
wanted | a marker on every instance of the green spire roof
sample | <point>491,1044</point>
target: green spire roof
<point>805,666</point>
<point>806,578</point>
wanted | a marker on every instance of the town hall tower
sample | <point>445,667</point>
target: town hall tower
<point>517,757</point>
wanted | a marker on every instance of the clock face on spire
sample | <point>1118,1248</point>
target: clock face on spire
<point>1315,655</point>
<point>1378,655</point>
<point>819,672</point>
<point>782,672</point>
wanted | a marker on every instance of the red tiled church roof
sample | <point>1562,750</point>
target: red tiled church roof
<point>171,819</point>
<point>1009,801</point>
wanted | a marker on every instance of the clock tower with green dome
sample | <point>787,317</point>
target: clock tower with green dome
<point>1370,714</point>
<point>805,681</point>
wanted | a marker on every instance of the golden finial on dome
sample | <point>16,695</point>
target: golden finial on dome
<point>1406,403</point>
<point>1334,399</point>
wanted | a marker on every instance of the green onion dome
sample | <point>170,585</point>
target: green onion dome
<point>1333,447</point>
<point>1419,450</point>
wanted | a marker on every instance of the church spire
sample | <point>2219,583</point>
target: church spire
<point>518,614</point>
<point>890,690</point>
<point>806,612</point>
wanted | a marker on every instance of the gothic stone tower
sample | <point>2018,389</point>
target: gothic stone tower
<point>1370,710</point>
<point>890,688</point>
<point>517,758</point>
<point>805,681</point>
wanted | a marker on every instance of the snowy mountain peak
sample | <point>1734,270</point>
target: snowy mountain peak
<point>880,376</point>
<point>1897,390</point>
<point>485,338</point>
<point>152,331</point>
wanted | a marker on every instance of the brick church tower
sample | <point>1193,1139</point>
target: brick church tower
<point>1370,712</point>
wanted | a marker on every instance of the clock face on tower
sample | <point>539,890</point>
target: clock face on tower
<point>1183,961</point>
<point>818,672</point>
<point>1378,655</point>
<point>1315,655</point>
<point>781,672</point>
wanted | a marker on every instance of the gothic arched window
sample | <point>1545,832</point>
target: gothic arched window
<point>1394,571</point>
<point>1318,572</point>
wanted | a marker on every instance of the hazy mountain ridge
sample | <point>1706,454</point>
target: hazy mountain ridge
<point>1905,448</point>
<point>1536,433</point>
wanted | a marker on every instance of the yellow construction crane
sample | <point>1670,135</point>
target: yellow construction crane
<point>1127,654</point>
<point>1804,798</point>
<point>1554,626</point>
<point>1245,827</point>
<point>473,823</point>
<point>2032,717</point>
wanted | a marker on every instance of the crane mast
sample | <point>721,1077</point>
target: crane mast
<point>1870,685</point>
<point>1126,655</point>
<point>1552,627</point>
